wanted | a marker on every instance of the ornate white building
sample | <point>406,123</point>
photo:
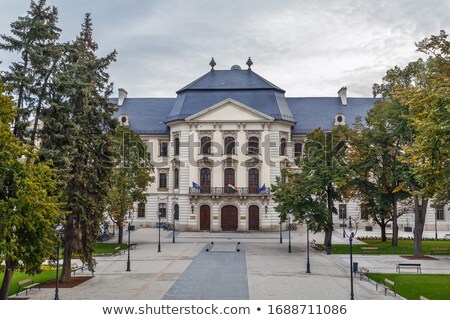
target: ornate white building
<point>220,144</point>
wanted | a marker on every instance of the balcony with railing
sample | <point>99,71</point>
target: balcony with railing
<point>222,191</point>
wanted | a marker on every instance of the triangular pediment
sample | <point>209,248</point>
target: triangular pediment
<point>230,110</point>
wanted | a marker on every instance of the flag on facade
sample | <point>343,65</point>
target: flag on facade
<point>197,186</point>
<point>262,189</point>
<point>232,188</point>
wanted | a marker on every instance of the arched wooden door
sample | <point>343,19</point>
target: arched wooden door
<point>253,218</point>
<point>229,218</point>
<point>205,218</point>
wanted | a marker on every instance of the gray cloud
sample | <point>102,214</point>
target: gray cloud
<point>309,48</point>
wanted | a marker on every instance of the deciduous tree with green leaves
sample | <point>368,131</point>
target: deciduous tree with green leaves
<point>29,207</point>
<point>378,174</point>
<point>423,88</point>
<point>319,181</point>
<point>131,177</point>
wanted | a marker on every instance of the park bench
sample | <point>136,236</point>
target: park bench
<point>76,267</point>
<point>389,285</point>
<point>369,249</point>
<point>363,273</point>
<point>27,284</point>
<point>447,236</point>
<point>316,246</point>
<point>418,266</point>
<point>439,250</point>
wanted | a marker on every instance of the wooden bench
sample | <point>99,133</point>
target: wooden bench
<point>389,285</point>
<point>439,250</point>
<point>27,284</point>
<point>318,247</point>
<point>75,267</point>
<point>418,266</point>
<point>369,249</point>
<point>363,273</point>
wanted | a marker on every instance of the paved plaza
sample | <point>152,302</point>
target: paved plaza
<point>207,265</point>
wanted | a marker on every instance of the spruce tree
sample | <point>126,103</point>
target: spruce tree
<point>35,39</point>
<point>77,137</point>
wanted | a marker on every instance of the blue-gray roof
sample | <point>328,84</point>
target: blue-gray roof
<point>150,115</point>
<point>231,80</point>
<point>146,115</point>
<point>312,113</point>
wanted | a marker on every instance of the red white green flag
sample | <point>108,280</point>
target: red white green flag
<point>232,188</point>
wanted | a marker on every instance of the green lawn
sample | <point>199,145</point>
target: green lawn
<point>405,247</point>
<point>412,286</point>
<point>46,275</point>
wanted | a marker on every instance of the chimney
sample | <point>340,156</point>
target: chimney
<point>343,95</point>
<point>122,96</point>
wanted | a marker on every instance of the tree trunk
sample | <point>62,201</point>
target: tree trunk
<point>383,232</point>
<point>420,210</point>
<point>120,237</point>
<point>394,242</point>
<point>329,230</point>
<point>9,272</point>
<point>68,240</point>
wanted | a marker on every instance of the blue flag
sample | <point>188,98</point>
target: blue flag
<point>263,188</point>
<point>197,186</point>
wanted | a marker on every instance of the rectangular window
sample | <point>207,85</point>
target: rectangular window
<point>298,148</point>
<point>176,178</point>
<point>342,211</point>
<point>141,210</point>
<point>163,149</point>
<point>440,213</point>
<point>163,180</point>
<point>163,210</point>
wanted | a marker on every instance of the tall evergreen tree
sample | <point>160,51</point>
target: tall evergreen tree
<point>35,38</point>
<point>77,138</point>
<point>29,209</point>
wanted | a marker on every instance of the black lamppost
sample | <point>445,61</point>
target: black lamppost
<point>159,231</point>
<point>289,230</point>
<point>59,229</point>
<point>281,235</point>
<point>130,219</point>
<point>343,225</point>
<point>308,268</point>
<point>173,231</point>
<point>351,234</point>
<point>435,225</point>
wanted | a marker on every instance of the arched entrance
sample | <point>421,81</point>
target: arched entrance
<point>229,221</point>
<point>205,218</point>
<point>253,218</point>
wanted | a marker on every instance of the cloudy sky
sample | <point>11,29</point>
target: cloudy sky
<point>308,48</point>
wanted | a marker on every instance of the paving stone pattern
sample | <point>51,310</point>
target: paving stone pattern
<point>215,274</point>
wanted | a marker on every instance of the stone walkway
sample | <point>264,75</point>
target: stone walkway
<point>262,269</point>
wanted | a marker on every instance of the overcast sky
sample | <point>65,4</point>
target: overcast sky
<point>308,48</point>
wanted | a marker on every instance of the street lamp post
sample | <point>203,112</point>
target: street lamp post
<point>130,219</point>
<point>59,229</point>
<point>435,225</point>
<point>351,234</point>
<point>343,225</point>
<point>159,231</point>
<point>173,231</point>
<point>289,231</point>
<point>308,268</point>
<point>281,235</point>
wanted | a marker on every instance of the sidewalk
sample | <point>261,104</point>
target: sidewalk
<point>271,272</point>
